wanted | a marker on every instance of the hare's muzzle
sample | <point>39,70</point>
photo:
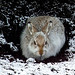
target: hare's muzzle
<point>41,51</point>
<point>40,43</point>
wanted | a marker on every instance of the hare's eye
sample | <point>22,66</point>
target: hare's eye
<point>50,21</point>
<point>46,43</point>
<point>34,43</point>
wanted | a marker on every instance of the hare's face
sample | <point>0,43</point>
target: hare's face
<point>38,44</point>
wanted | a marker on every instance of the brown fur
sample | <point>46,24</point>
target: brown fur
<point>40,42</point>
<point>44,28</point>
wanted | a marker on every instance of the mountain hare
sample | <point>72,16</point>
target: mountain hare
<point>42,37</point>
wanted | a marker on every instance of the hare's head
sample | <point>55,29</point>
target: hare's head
<point>39,43</point>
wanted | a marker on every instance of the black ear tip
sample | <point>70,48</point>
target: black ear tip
<point>50,21</point>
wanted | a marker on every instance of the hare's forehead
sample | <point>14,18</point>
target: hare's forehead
<point>40,35</point>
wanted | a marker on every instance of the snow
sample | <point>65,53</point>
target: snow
<point>7,20</point>
<point>2,39</point>
<point>30,60</point>
<point>18,67</point>
<point>73,32</point>
<point>72,44</point>
<point>11,44</point>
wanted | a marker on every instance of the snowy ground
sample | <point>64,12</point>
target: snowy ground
<point>13,15</point>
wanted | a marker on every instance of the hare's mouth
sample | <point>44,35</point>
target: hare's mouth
<point>39,55</point>
<point>39,58</point>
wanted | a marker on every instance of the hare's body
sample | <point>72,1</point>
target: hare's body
<point>42,37</point>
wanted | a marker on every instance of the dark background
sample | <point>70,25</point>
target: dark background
<point>13,16</point>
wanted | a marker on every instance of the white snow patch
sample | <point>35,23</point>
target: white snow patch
<point>7,19</point>
<point>2,39</point>
<point>30,60</point>
<point>11,44</point>
<point>18,67</point>
<point>72,44</point>
<point>1,23</point>
<point>13,47</point>
<point>73,32</point>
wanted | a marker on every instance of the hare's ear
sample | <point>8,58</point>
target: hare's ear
<point>47,27</point>
<point>31,28</point>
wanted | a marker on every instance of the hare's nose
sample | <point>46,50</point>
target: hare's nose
<point>41,52</point>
